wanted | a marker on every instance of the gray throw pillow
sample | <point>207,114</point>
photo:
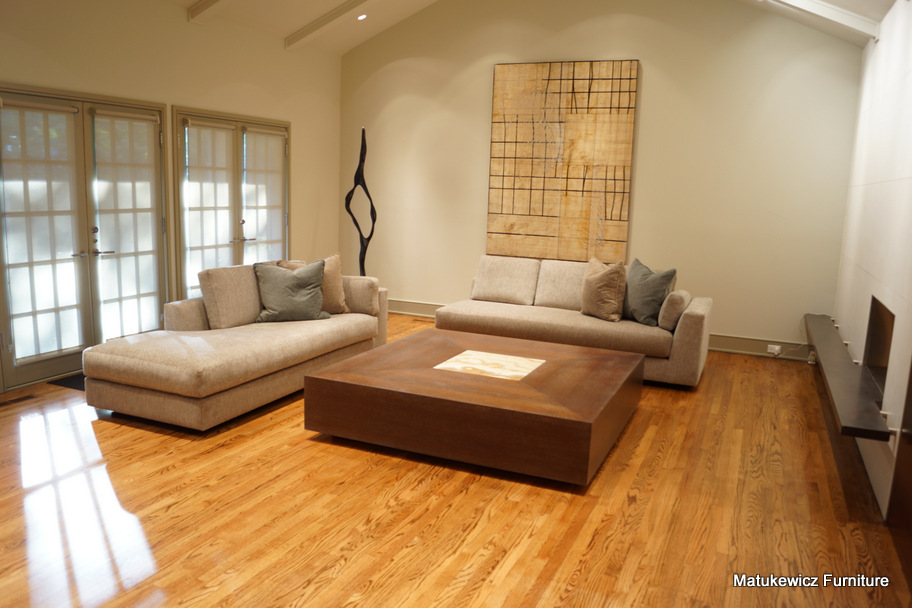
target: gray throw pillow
<point>646,290</point>
<point>290,295</point>
<point>333,290</point>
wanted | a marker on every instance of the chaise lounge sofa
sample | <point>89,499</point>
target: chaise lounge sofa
<point>544,300</point>
<point>214,361</point>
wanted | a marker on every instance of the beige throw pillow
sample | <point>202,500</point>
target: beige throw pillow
<point>333,294</point>
<point>604,287</point>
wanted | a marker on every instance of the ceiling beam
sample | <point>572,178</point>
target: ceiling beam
<point>301,37</point>
<point>203,10</point>
<point>845,18</point>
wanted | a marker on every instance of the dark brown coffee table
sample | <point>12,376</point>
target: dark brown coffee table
<point>557,421</point>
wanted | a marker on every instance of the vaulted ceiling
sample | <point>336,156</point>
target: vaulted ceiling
<point>334,25</point>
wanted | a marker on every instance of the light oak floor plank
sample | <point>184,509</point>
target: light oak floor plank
<point>739,476</point>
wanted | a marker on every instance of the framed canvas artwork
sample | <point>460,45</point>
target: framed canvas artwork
<point>561,153</point>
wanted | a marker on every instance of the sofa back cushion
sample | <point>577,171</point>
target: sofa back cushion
<point>560,283</point>
<point>230,295</point>
<point>506,279</point>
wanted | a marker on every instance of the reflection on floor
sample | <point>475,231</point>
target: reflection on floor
<point>78,535</point>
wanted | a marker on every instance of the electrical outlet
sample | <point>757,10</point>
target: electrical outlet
<point>774,349</point>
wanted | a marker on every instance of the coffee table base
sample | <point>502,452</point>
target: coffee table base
<point>393,397</point>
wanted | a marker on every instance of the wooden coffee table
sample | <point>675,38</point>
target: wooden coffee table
<point>550,410</point>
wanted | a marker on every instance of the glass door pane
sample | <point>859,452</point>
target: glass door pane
<point>207,199</point>
<point>126,226</point>
<point>263,205</point>
<point>45,250</point>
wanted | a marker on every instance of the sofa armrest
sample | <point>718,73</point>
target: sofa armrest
<point>693,326</point>
<point>691,342</point>
<point>361,294</point>
<point>364,295</point>
<point>186,315</point>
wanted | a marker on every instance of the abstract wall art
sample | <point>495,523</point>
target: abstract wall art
<point>561,153</point>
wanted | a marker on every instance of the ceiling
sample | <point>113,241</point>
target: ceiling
<point>333,25</point>
<point>856,21</point>
<point>330,25</point>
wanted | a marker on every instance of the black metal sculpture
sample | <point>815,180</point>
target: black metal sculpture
<point>359,181</point>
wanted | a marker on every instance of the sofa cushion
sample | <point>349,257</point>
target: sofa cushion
<point>603,290</point>
<point>646,291</point>
<point>559,283</point>
<point>506,279</point>
<point>290,295</point>
<point>333,293</point>
<point>201,363</point>
<point>231,296</point>
<point>672,309</point>
<point>554,325</point>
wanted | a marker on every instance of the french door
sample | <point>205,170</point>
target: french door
<point>233,192</point>
<point>81,227</point>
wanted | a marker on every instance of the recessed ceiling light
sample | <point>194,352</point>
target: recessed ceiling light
<point>362,17</point>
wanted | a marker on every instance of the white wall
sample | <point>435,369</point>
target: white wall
<point>745,130</point>
<point>877,247</point>
<point>149,51</point>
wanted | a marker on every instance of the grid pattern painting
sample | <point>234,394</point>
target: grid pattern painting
<point>561,152</point>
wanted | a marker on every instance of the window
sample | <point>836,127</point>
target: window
<point>232,190</point>
<point>82,227</point>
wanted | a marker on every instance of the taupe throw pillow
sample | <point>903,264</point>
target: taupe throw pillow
<point>603,290</point>
<point>290,295</point>
<point>646,290</point>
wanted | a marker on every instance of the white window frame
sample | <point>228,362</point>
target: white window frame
<point>26,370</point>
<point>236,239</point>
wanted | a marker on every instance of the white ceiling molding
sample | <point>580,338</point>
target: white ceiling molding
<point>301,37</point>
<point>840,16</point>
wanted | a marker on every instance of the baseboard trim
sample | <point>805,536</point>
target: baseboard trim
<point>418,309</point>
<point>758,347</point>
<point>722,343</point>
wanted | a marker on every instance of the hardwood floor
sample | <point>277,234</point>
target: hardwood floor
<point>737,477</point>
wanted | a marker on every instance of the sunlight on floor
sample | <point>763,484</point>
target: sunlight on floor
<point>78,533</point>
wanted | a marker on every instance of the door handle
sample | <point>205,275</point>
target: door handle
<point>95,252</point>
<point>81,254</point>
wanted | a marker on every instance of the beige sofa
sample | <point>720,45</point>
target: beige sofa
<point>542,300</point>
<point>213,362</point>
